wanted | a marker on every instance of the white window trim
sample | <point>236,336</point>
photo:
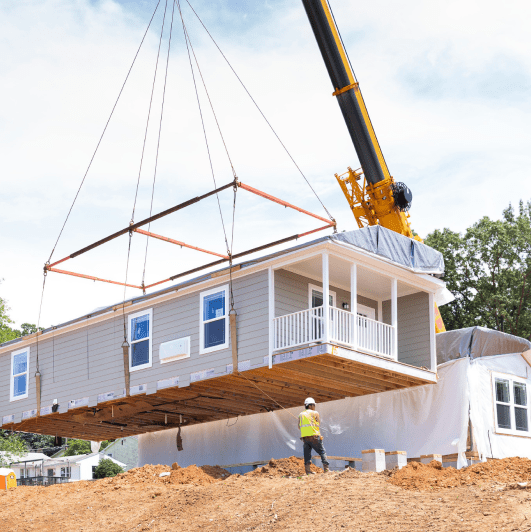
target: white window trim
<point>511,379</point>
<point>202,295</point>
<point>129,318</point>
<point>12,377</point>
<point>317,288</point>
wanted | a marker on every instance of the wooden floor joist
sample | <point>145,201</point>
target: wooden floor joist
<point>325,377</point>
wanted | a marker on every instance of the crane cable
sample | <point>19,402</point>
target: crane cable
<point>45,271</point>
<point>149,112</point>
<point>158,141</point>
<point>261,112</point>
<point>125,342</point>
<point>229,250</point>
<point>202,122</point>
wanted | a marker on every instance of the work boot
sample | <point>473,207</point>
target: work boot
<point>326,469</point>
<point>307,469</point>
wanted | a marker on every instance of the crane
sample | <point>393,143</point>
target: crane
<point>373,195</point>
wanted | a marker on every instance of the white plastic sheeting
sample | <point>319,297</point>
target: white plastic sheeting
<point>422,420</point>
<point>490,444</point>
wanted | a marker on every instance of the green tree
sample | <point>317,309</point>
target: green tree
<point>77,447</point>
<point>107,468</point>
<point>6,332</point>
<point>12,448</point>
<point>488,269</point>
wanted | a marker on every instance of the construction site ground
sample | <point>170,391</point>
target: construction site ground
<point>488,496</point>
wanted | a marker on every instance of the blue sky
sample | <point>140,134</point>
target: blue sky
<point>447,86</point>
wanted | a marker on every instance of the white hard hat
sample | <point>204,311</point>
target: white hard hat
<point>309,401</point>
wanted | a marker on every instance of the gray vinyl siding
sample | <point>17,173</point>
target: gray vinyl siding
<point>413,328</point>
<point>291,294</point>
<point>89,361</point>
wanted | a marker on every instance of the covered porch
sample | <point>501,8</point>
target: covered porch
<point>350,304</point>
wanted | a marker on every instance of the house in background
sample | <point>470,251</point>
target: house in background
<point>124,450</point>
<point>347,315</point>
<point>39,469</point>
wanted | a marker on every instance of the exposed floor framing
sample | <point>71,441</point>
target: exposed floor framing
<point>334,374</point>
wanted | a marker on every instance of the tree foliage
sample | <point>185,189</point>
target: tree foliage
<point>12,448</point>
<point>76,447</point>
<point>107,468</point>
<point>488,269</point>
<point>8,333</point>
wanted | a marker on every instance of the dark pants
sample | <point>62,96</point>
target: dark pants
<point>315,443</point>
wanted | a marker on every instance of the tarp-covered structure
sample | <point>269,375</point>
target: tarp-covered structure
<point>423,420</point>
<point>396,247</point>
<point>476,342</point>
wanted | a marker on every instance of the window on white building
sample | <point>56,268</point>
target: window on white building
<point>511,400</point>
<point>94,471</point>
<point>140,340</point>
<point>65,472</point>
<point>50,472</point>
<point>214,323</point>
<point>19,374</point>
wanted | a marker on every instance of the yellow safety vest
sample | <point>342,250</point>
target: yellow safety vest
<point>308,423</point>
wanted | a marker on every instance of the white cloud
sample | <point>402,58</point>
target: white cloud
<point>445,84</point>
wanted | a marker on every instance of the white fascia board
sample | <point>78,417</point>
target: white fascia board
<point>339,249</point>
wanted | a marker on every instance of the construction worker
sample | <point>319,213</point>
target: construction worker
<point>309,422</point>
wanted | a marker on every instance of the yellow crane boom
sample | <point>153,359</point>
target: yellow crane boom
<point>374,197</point>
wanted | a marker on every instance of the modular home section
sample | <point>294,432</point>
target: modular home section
<point>328,319</point>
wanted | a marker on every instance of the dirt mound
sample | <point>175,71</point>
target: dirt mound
<point>198,476</point>
<point>418,476</point>
<point>284,467</point>
<point>147,473</point>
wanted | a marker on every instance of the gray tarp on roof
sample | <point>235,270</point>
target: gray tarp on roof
<point>477,342</point>
<point>398,248</point>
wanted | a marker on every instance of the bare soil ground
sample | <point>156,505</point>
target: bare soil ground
<point>484,497</point>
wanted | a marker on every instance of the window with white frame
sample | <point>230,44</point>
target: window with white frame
<point>140,340</point>
<point>511,401</point>
<point>214,323</point>
<point>65,472</point>
<point>315,294</point>
<point>19,374</point>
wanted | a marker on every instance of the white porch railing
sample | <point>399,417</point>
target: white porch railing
<point>307,326</point>
<point>298,328</point>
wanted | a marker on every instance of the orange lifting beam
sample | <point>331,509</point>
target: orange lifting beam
<point>223,258</point>
<point>182,244</point>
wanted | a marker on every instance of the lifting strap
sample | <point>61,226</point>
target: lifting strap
<point>38,391</point>
<point>234,340</point>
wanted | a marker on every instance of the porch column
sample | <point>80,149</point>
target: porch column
<point>433,350</point>
<point>326,298</point>
<point>354,303</point>
<point>271,292</point>
<point>394,317</point>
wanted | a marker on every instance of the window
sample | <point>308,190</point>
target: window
<point>316,296</point>
<point>511,405</point>
<point>94,471</point>
<point>50,472</point>
<point>213,325</point>
<point>140,334</point>
<point>65,472</point>
<point>19,374</point>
